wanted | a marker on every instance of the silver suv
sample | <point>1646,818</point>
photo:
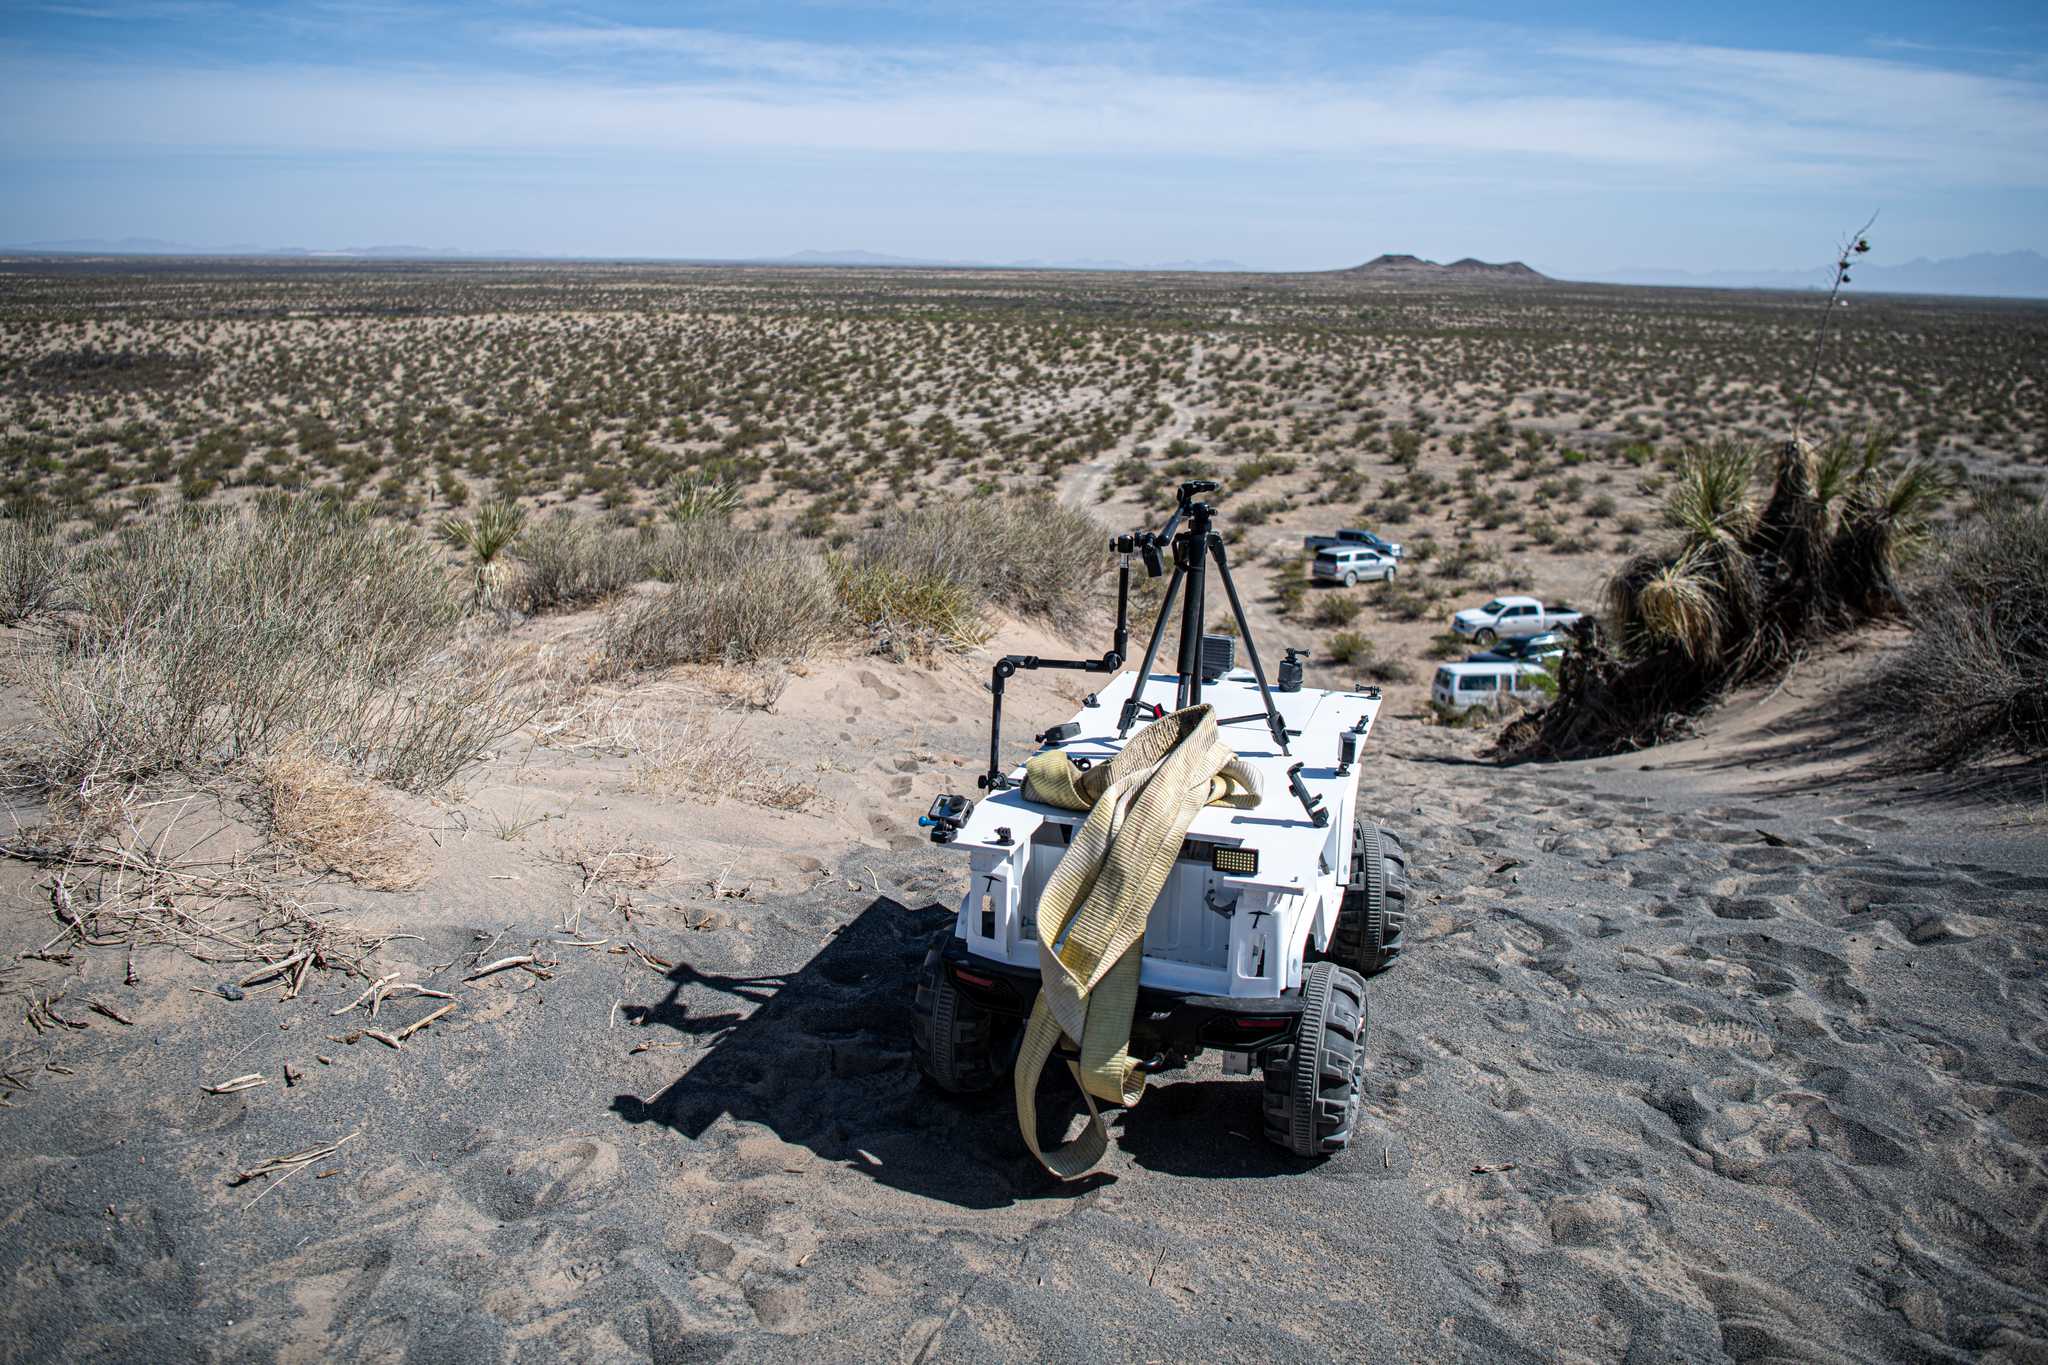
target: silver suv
<point>1349,564</point>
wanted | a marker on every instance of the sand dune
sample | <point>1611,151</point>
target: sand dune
<point>1664,1075</point>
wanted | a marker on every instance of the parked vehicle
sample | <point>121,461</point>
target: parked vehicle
<point>1349,564</point>
<point>1354,537</point>
<point>1460,687</point>
<point>1528,649</point>
<point>1512,617</point>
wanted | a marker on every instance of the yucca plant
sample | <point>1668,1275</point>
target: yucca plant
<point>487,535</point>
<point>1883,523</point>
<point>1713,498</point>
<point>1742,589</point>
<point>1676,603</point>
<point>693,499</point>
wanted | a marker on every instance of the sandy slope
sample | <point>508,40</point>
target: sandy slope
<point>1647,1085</point>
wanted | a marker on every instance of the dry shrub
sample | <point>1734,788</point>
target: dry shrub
<point>334,821</point>
<point>734,597</point>
<point>566,563</point>
<point>208,637</point>
<point>1973,681</point>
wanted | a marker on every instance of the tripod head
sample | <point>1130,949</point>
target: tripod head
<point>1148,545</point>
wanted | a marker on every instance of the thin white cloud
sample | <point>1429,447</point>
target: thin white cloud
<point>709,48</point>
<point>1721,116</point>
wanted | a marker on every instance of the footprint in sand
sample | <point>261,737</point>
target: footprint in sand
<point>574,1174</point>
<point>1872,821</point>
<point>878,687</point>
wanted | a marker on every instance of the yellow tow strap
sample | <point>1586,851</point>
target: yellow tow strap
<point>1091,917</point>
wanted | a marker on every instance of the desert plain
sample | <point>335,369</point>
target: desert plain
<point>1732,1048</point>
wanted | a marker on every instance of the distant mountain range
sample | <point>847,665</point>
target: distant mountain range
<point>2010,274</point>
<point>1415,270</point>
<point>153,246</point>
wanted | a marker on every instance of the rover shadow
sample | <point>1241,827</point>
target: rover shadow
<point>821,1057</point>
<point>1210,1129</point>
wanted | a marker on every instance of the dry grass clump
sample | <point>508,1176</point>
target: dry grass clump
<point>207,637</point>
<point>32,566</point>
<point>908,615</point>
<point>1745,586</point>
<point>1973,681</point>
<point>335,821</point>
<point>734,597</point>
<point>1025,554</point>
<point>920,581</point>
<point>715,760</point>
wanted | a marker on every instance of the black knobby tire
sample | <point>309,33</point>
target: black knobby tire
<point>1312,1084</point>
<point>956,1042</point>
<point>1374,910</point>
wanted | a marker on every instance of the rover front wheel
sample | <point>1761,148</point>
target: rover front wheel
<point>1374,909</point>
<point>956,1042</point>
<point>1312,1084</point>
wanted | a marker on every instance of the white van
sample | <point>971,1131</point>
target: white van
<point>1460,687</point>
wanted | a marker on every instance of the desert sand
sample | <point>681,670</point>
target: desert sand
<point>1693,1055</point>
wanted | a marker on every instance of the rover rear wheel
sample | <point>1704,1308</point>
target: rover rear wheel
<point>956,1042</point>
<point>1312,1084</point>
<point>1374,910</point>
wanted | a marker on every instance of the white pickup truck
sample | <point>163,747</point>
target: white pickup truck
<point>1364,539</point>
<point>1511,618</point>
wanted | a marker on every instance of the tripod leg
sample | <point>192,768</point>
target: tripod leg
<point>1251,648</point>
<point>1151,653</point>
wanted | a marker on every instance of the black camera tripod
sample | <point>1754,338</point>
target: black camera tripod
<point>1193,545</point>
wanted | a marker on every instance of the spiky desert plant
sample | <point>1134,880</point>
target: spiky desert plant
<point>1676,603</point>
<point>1883,523</point>
<point>1713,499</point>
<point>1742,590</point>
<point>694,499</point>
<point>486,535</point>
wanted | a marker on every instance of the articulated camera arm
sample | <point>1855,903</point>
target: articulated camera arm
<point>995,779</point>
<point>1147,545</point>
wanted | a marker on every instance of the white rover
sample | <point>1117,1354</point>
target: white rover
<point>1271,916</point>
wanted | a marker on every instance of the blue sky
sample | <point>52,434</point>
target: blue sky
<point>1582,139</point>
